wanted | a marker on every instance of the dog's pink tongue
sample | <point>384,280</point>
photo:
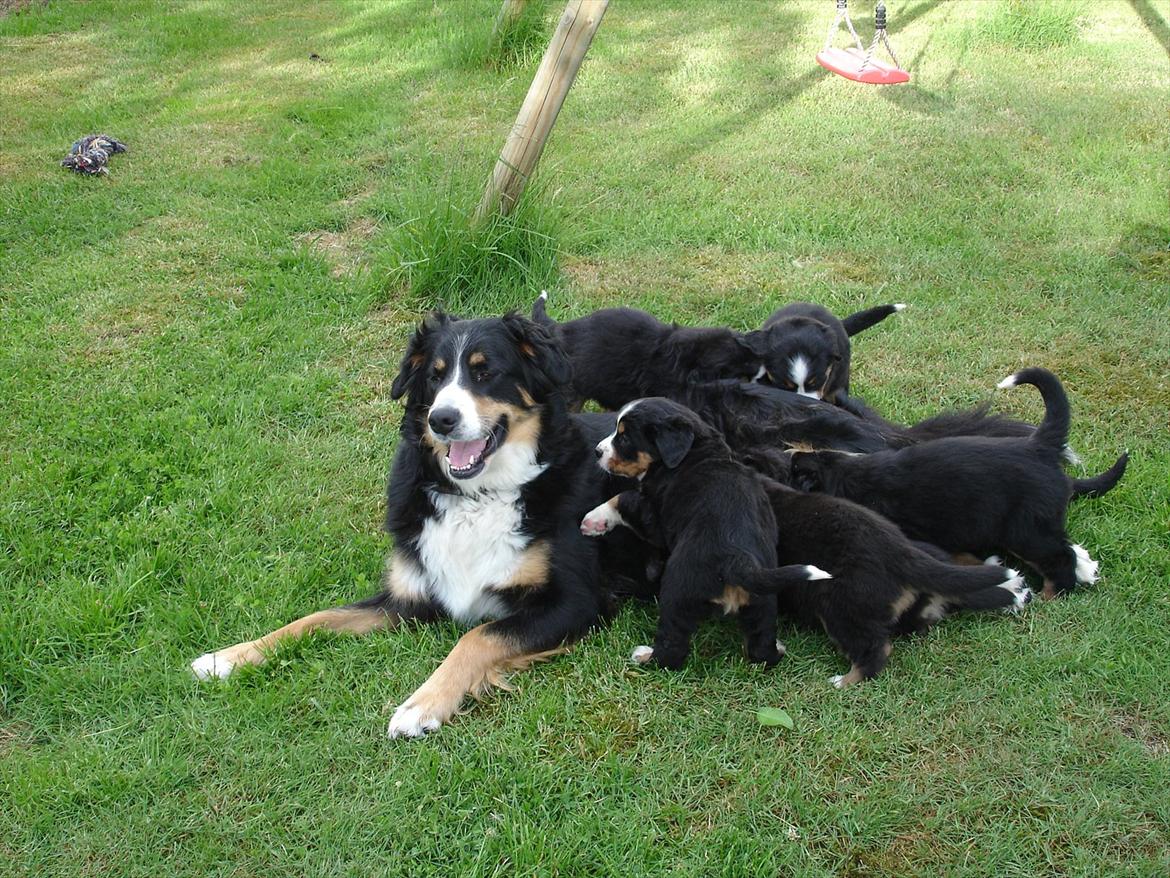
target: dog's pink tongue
<point>461,453</point>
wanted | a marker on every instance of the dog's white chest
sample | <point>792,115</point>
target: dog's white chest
<point>470,545</point>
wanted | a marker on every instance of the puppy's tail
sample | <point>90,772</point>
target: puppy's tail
<point>771,580</point>
<point>1053,430</point>
<point>1103,483</point>
<point>539,314</point>
<point>863,320</point>
<point>928,573</point>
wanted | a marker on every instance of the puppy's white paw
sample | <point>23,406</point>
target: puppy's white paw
<point>641,654</point>
<point>780,647</point>
<point>993,561</point>
<point>600,520</point>
<point>411,722</point>
<point>838,681</point>
<point>211,666</point>
<point>1088,570</point>
<point>1021,594</point>
<point>817,572</point>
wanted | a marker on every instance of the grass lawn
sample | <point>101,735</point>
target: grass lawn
<point>195,361</point>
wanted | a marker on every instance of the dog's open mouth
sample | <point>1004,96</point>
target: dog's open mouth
<point>467,459</point>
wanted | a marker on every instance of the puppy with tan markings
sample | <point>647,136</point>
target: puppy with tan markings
<point>710,513</point>
<point>975,494</point>
<point>726,528</point>
<point>805,348</point>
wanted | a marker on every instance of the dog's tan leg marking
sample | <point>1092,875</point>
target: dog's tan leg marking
<point>480,660</point>
<point>844,681</point>
<point>401,578</point>
<point>901,604</point>
<point>352,620</point>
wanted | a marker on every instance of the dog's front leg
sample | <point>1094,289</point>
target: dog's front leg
<point>480,660</point>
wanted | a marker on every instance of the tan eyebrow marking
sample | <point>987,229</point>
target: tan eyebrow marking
<point>476,359</point>
<point>440,364</point>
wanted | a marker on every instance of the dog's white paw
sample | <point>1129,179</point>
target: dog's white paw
<point>817,572</point>
<point>642,654</point>
<point>600,520</point>
<point>993,561</point>
<point>211,666</point>
<point>1021,594</point>
<point>780,647</point>
<point>1088,570</point>
<point>411,722</point>
<point>838,681</point>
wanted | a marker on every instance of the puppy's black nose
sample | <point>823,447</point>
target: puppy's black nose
<point>597,451</point>
<point>443,420</point>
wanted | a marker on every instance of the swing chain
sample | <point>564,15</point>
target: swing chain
<point>879,34</point>
<point>842,13</point>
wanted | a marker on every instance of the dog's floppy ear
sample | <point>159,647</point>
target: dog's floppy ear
<point>804,472</point>
<point>831,343</point>
<point>673,439</point>
<point>755,341</point>
<point>538,346</point>
<point>416,351</point>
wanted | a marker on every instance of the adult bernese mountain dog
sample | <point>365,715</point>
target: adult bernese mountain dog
<point>489,482</point>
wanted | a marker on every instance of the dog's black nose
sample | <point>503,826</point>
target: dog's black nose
<point>597,450</point>
<point>443,420</point>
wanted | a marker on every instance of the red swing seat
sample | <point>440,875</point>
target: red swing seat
<point>847,63</point>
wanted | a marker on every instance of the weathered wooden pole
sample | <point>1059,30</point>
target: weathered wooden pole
<point>507,16</point>
<point>562,59</point>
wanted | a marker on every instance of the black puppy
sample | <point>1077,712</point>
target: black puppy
<point>622,354</point>
<point>976,494</point>
<point>703,507</point>
<point>805,348</point>
<point>712,516</point>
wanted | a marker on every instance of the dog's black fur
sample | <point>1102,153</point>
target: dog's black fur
<point>705,510</point>
<point>805,348</point>
<point>754,417</point>
<point>883,584</point>
<point>976,495</point>
<point>710,514</point>
<point>621,354</point>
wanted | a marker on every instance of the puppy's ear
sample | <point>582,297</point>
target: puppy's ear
<point>416,351</point>
<point>755,341</point>
<point>804,473</point>
<point>673,439</point>
<point>539,347</point>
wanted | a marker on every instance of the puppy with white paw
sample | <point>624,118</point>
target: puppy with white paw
<point>710,514</point>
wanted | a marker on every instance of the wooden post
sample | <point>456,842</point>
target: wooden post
<point>509,12</point>
<point>562,59</point>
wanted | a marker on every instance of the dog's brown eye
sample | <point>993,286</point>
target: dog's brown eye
<point>481,375</point>
<point>789,385</point>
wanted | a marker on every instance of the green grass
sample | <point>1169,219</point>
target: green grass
<point>195,359</point>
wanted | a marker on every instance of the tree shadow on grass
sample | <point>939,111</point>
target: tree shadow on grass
<point>1151,19</point>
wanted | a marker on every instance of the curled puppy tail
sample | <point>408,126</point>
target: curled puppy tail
<point>771,580</point>
<point>1103,483</point>
<point>1053,430</point>
<point>863,320</point>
